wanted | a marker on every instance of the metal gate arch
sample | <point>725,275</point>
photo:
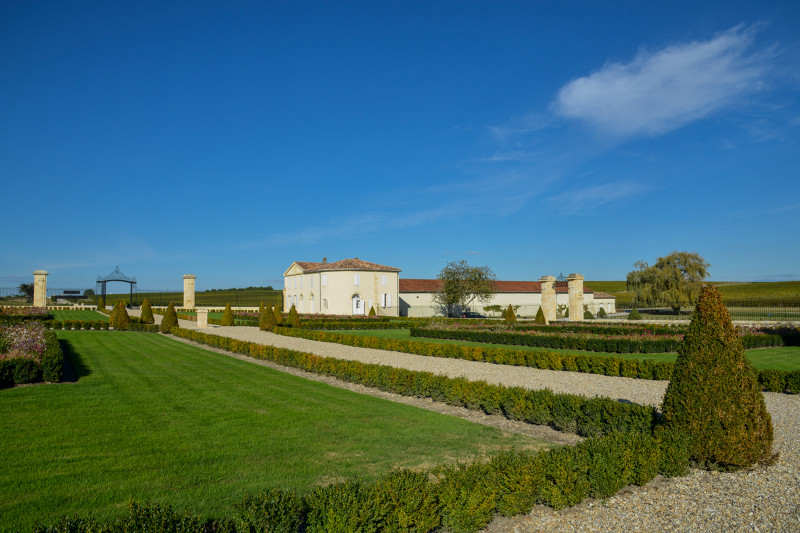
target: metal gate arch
<point>116,275</point>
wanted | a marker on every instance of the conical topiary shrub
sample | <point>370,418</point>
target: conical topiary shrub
<point>510,317</point>
<point>119,318</point>
<point>714,397</point>
<point>587,315</point>
<point>372,311</point>
<point>169,320</point>
<point>278,316</point>
<point>227,316</point>
<point>147,313</point>
<point>634,314</point>
<point>266,322</point>
<point>293,319</point>
<point>540,319</point>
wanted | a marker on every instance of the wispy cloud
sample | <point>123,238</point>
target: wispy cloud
<point>663,90</point>
<point>580,200</point>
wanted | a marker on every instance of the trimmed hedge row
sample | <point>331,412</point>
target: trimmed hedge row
<point>771,380</point>
<point>375,323</point>
<point>583,343</point>
<point>461,498</point>
<point>592,364</point>
<point>565,412</point>
<point>554,341</point>
<point>97,325</point>
<point>19,370</point>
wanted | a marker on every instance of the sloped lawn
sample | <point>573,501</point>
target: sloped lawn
<point>152,418</point>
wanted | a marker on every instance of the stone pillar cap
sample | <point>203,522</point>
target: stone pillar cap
<point>40,272</point>
<point>547,278</point>
<point>189,276</point>
<point>574,276</point>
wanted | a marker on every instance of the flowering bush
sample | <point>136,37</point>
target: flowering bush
<point>24,311</point>
<point>25,339</point>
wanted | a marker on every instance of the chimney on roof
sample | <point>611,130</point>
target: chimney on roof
<point>356,258</point>
<point>324,260</point>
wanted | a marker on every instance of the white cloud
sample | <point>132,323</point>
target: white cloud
<point>577,201</point>
<point>666,89</point>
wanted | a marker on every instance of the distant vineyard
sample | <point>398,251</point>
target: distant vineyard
<point>237,298</point>
<point>731,291</point>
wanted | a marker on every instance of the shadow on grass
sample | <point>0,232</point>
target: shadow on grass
<point>74,366</point>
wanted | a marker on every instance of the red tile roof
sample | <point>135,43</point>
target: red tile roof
<point>344,264</point>
<point>433,285</point>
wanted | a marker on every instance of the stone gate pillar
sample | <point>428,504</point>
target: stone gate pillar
<point>188,291</point>
<point>575,287</point>
<point>202,318</point>
<point>548,298</point>
<point>40,288</point>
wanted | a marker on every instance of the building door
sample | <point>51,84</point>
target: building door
<point>358,305</point>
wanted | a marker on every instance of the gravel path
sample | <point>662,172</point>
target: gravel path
<point>762,499</point>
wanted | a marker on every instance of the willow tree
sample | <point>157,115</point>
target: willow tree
<point>674,280</point>
<point>460,285</point>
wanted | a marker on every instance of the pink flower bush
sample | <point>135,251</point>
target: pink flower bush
<point>23,340</point>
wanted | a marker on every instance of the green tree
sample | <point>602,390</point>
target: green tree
<point>714,396</point>
<point>147,313</point>
<point>510,315</point>
<point>461,285</point>
<point>26,290</point>
<point>119,318</point>
<point>227,316</point>
<point>169,320</point>
<point>372,311</point>
<point>266,321</point>
<point>540,317</point>
<point>634,314</point>
<point>601,313</point>
<point>293,319</point>
<point>674,280</point>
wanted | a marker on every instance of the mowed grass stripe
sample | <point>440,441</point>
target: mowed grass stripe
<point>152,418</point>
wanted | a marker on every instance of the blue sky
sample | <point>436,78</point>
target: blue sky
<point>534,137</point>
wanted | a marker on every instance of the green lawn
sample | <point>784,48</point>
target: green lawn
<point>783,358</point>
<point>88,315</point>
<point>152,418</point>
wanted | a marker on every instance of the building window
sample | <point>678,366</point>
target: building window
<point>301,282</point>
<point>325,280</point>
<point>325,303</point>
<point>312,282</point>
<point>388,300</point>
<point>383,300</point>
<point>383,279</point>
<point>356,279</point>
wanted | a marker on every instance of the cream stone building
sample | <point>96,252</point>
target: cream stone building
<point>416,297</point>
<point>346,287</point>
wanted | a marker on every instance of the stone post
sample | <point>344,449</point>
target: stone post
<point>188,291</point>
<point>575,287</point>
<point>548,298</point>
<point>202,318</point>
<point>40,288</point>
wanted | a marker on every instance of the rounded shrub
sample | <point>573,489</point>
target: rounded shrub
<point>601,313</point>
<point>119,318</point>
<point>147,313</point>
<point>714,396</point>
<point>170,319</point>
<point>227,316</point>
<point>634,314</point>
<point>587,315</point>
<point>266,320</point>
<point>293,319</point>
<point>510,317</point>
<point>278,316</point>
